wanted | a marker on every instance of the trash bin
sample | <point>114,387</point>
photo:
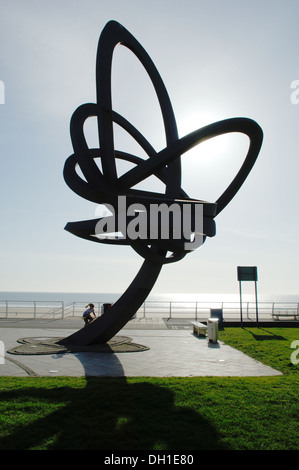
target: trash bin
<point>217,313</point>
<point>213,330</point>
<point>105,307</point>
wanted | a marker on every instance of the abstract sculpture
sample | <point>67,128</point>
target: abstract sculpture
<point>105,187</point>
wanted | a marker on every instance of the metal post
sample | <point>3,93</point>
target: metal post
<point>256,309</point>
<point>62,309</point>
<point>241,304</point>
<point>34,309</point>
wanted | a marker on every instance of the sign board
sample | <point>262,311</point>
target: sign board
<point>247,273</point>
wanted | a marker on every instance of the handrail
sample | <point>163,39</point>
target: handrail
<point>150,308</point>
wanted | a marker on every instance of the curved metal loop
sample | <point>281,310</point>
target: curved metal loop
<point>105,187</point>
<point>112,35</point>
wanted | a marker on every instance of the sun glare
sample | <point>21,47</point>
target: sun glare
<point>211,147</point>
<point>210,166</point>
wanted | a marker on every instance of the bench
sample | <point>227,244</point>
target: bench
<point>286,313</point>
<point>199,328</point>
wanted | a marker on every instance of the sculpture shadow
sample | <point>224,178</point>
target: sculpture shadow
<point>109,414</point>
<point>98,364</point>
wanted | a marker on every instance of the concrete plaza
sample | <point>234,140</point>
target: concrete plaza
<point>174,351</point>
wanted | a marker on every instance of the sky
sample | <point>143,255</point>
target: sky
<point>218,60</point>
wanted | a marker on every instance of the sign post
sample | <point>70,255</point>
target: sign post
<point>248,273</point>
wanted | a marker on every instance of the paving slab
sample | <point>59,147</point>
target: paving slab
<point>171,353</point>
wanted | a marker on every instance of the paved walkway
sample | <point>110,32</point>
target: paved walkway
<point>172,352</point>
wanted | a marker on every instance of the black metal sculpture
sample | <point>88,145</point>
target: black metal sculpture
<point>106,187</point>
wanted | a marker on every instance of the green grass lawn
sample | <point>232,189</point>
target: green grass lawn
<point>161,413</point>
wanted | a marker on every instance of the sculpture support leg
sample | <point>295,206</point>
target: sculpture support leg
<point>103,328</point>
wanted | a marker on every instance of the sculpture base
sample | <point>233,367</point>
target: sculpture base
<point>52,345</point>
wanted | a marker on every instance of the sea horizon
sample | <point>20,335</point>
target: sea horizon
<point>111,297</point>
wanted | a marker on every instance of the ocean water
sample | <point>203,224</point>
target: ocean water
<point>104,297</point>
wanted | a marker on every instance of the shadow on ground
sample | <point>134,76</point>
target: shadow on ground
<point>107,414</point>
<point>101,413</point>
<point>265,337</point>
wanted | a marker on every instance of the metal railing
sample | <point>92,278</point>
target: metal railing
<point>31,309</point>
<point>18,309</point>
